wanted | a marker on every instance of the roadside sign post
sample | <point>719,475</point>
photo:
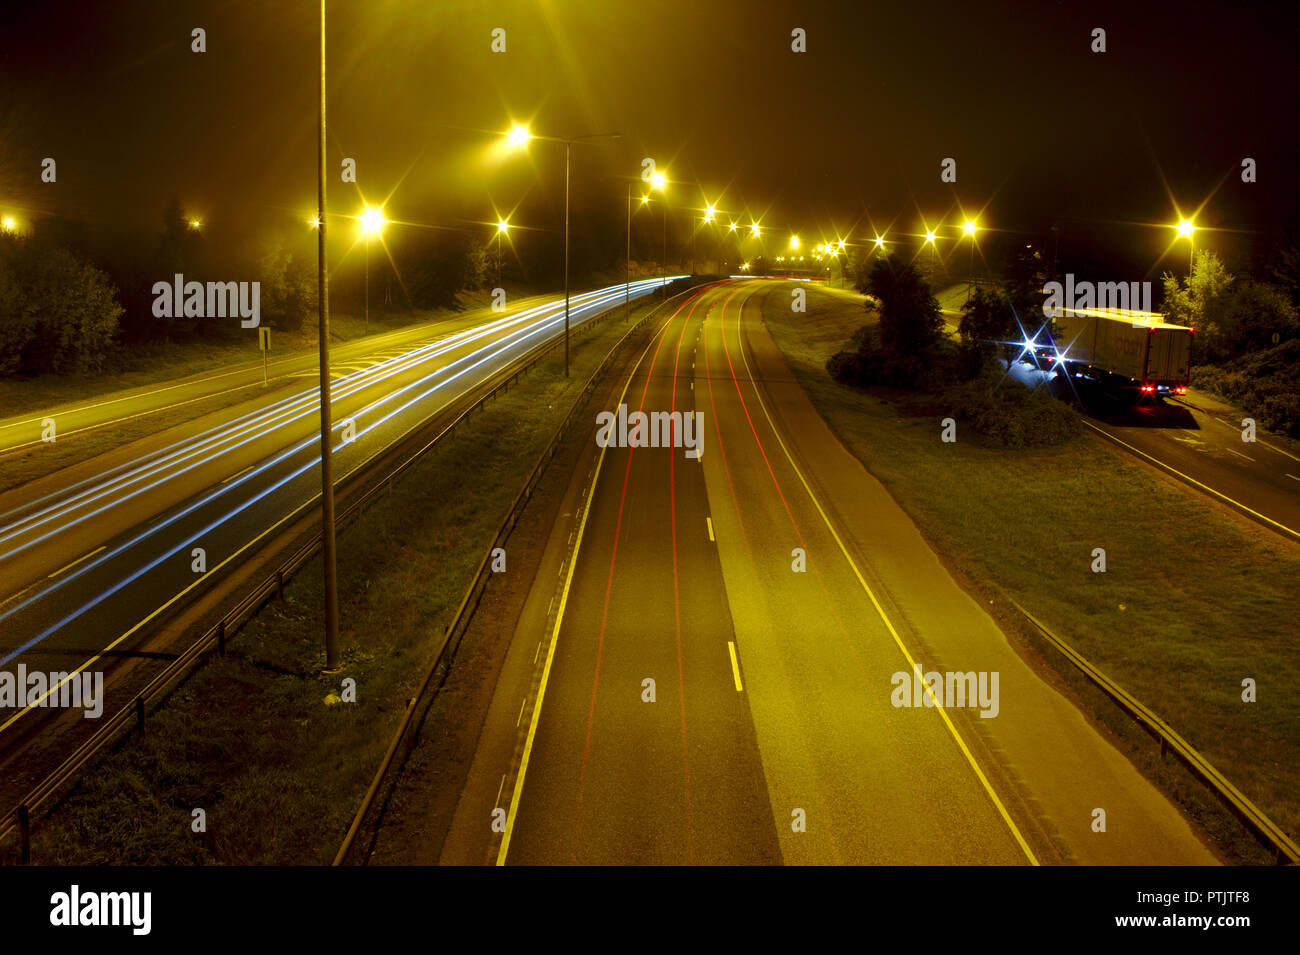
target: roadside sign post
<point>264,342</point>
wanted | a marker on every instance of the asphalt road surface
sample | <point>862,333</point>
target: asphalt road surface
<point>24,431</point>
<point>1198,439</point>
<point>772,591</point>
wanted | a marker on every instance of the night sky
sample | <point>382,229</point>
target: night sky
<point>848,135</point>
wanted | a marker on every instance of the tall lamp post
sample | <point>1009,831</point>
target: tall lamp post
<point>970,228</point>
<point>520,135</point>
<point>333,662</point>
<point>627,285</point>
<point>695,220</point>
<point>1186,228</point>
<point>503,226</point>
<point>660,181</point>
<point>663,258</point>
<point>372,222</point>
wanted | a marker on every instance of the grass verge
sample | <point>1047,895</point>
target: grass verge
<point>1195,599</point>
<point>248,738</point>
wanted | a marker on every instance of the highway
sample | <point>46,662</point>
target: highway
<point>285,374</point>
<point>1197,439</point>
<point>772,590</point>
<point>89,566</point>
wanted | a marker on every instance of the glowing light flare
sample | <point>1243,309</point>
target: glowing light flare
<point>372,221</point>
<point>1185,228</point>
<point>518,136</point>
<point>503,226</point>
<point>970,227</point>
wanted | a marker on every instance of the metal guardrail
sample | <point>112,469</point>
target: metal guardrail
<point>469,603</point>
<point>1269,833</point>
<point>20,816</point>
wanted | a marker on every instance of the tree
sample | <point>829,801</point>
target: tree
<point>1232,316</point>
<point>437,266</point>
<point>1284,265</point>
<point>1026,274</point>
<point>986,319</point>
<point>180,252</point>
<point>1185,302</point>
<point>288,288</point>
<point>1244,319</point>
<point>58,313</point>
<point>477,265</point>
<point>911,324</point>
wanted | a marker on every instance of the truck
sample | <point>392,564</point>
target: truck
<point>1126,355</point>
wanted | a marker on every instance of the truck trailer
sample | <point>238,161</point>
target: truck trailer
<point>1125,355</point>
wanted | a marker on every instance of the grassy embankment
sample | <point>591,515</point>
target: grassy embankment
<point>1195,598</point>
<point>248,738</point>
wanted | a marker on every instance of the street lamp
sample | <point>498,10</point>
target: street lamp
<point>1185,229</point>
<point>333,661</point>
<point>695,220</point>
<point>970,228</point>
<point>660,181</point>
<point>372,222</point>
<point>503,226</point>
<point>627,282</point>
<point>519,136</point>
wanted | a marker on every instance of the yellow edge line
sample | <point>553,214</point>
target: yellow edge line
<point>235,475</point>
<point>961,743</point>
<point>76,562</point>
<point>735,665</point>
<point>1191,480</point>
<point>518,790</point>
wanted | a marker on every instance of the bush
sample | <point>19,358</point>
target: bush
<point>867,362</point>
<point>1265,385</point>
<point>1006,414</point>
